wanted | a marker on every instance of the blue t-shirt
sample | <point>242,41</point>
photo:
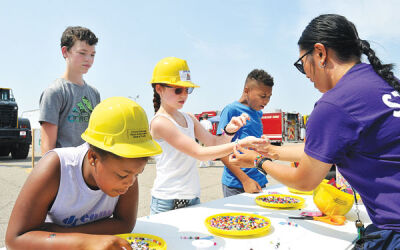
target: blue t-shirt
<point>253,128</point>
<point>357,126</point>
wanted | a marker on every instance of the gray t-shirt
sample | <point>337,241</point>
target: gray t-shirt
<point>68,106</point>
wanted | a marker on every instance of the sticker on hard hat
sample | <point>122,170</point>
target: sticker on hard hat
<point>137,134</point>
<point>340,201</point>
<point>185,75</point>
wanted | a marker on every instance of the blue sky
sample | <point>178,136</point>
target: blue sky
<point>222,42</point>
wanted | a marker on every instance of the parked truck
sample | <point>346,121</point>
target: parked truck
<point>15,132</point>
<point>282,127</point>
<point>278,126</point>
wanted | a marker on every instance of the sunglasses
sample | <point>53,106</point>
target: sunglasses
<point>299,63</point>
<point>179,90</point>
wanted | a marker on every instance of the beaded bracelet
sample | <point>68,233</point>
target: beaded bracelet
<point>258,157</point>
<point>227,133</point>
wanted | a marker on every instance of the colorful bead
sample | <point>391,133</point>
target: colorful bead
<point>142,243</point>
<point>199,238</point>
<point>239,223</point>
<point>258,157</point>
<point>279,200</point>
<point>289,223</point>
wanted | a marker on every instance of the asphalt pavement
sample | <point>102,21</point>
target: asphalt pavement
<point>13,174</point>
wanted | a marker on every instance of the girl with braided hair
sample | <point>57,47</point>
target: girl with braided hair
<point>177,181</point>
<point>355,125</point>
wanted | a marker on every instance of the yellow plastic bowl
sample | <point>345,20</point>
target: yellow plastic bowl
<point>247,232</point>
<point>154,242</point>
<point>332,201</point>
<point>295,191</point>
<point>300,200</point>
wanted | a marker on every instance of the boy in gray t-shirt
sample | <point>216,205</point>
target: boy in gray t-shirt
<point>66,105</point>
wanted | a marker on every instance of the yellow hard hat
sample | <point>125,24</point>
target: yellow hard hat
<point>332,201</point>
<point>173,71</point>
<point>119,125</point>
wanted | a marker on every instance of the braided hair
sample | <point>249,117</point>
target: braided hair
<point>156,99</point>
<point>339,34</point>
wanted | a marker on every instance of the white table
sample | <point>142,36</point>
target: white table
<point>173,225</point>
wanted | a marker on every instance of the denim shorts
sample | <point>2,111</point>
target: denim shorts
<point>229,191</point>
<point>161,205</point>
<point>376,238</point>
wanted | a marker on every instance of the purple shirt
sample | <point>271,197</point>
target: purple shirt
<point>356,125</point>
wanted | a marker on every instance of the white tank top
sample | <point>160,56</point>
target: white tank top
<point>177,176</point>
<point>75,203</point>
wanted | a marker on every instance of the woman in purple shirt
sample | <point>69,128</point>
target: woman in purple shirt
<point>355,125</point>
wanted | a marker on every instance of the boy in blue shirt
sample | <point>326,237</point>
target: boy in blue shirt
<point>256,95</point>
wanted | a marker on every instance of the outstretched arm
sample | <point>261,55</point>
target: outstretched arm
<point>283,153</point>
<point>163,128</point>
<point>211,140</point>
<point>308,174</point>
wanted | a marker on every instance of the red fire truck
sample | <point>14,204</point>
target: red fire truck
<point>278,126</point>
<point>282,127</point>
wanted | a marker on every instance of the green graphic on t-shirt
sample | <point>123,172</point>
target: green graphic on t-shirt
<point>86,101</point>
<point>81,112</point>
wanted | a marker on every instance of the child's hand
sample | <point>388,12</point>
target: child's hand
<point>242,157</point>
<point>237,122</point>
<point>251,186</point>
<point>106,242</point>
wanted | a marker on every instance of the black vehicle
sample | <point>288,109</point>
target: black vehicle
<point>15,133</point>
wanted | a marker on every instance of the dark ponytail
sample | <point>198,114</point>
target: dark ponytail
<point>383,70</point>
<point>339,34</point>
<point>156,99</point>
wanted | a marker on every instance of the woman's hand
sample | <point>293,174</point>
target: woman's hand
<point>237,122</point>
<point>242,157</point>
<point>253,142</point>
<point>267,149</point>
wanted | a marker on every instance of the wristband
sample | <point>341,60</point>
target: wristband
<point>226,132</point>
<point>260,163</point>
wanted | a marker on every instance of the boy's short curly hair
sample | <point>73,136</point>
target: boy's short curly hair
<point>261,76</point>
<point>74,33</point>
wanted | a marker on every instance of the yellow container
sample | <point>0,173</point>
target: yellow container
<point>241,232</point>
<point>332,201</point>
<point>154,242</point>
<point>295,191</point>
